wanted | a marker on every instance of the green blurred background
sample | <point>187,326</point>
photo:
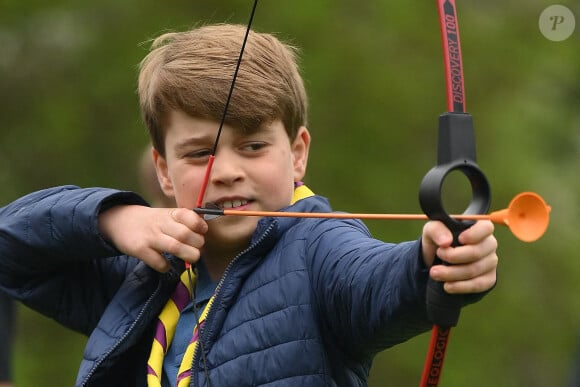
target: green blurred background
<point>374,72</point>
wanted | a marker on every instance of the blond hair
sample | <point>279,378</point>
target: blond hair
<point>192,71</point>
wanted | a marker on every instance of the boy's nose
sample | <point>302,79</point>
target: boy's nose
<point>227,168</point>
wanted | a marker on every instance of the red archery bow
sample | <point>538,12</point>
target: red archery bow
<point>456,152</point>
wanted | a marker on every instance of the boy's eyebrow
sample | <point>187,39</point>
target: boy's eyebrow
<point>194,141</point>
<point>205,139</point>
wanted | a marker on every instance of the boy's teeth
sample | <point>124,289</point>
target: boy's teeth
<point>233,203</point>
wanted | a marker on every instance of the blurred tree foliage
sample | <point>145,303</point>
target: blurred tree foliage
<point>374,73</point>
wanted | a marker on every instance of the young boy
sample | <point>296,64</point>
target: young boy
<point>278,301</point>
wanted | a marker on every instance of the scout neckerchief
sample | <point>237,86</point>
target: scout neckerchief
<point>167,321</point>
<point>166,325</point>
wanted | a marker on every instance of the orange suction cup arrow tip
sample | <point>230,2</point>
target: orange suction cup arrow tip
<point>527,216</point>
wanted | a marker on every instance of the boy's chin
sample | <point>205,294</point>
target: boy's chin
<point>231,231</point>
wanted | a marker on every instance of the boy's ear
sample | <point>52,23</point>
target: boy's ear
<point>162,174</point>
<point>300,148</point>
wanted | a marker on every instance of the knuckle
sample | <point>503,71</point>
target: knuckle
<point>490,226</point>
<point>494,260</point>
<point>177,214</point>
<point>482,284</point>
<point>191,255</point>
<point>182,234</point>
<point>198,224</point>
<point>173,246</point>
<point>198,242</point>
<point>160,265</point>
<point>141,248</point>
<point>493,243</point>
<point>471,272</point>
<point>195,254</point>
<point>154,260</point>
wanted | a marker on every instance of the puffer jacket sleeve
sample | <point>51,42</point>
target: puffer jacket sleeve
<point>370,294</point>
<point>53,258</point>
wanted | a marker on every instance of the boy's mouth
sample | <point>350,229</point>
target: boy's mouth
<point>229,204</point>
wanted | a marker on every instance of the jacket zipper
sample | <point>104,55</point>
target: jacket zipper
<point>129,331</point>
<point>201,335</point>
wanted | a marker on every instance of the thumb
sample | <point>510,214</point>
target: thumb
<point>435,235</point>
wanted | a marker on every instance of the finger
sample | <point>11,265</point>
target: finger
<point>168,244</point>
<point>465,272</point>
<point>190,219</point>
<point>187,230</point>
<point>477,232</point>
<point>183,234</point>
<point>474,285</point>
<point>434,234</point>
<point>155,260</point>
<point>468,253</point>
<point>437,234</point>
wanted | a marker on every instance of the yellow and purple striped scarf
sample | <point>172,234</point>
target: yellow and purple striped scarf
<point>166,325</point>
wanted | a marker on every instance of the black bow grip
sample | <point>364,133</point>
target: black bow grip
<point>455,152</point>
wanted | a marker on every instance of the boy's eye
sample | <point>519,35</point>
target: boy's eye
<point>254,146</point>
<point>198,154</point>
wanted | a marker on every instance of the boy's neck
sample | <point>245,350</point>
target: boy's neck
<point>217,260</point>
<point>216,267</point>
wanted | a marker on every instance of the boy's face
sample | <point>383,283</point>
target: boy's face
<point>250,172</point>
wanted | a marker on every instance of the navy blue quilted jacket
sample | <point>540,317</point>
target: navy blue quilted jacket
<point>309,303</point>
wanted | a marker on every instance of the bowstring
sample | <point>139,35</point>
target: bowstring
<point>226,107</point>
<point>208,172</point>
